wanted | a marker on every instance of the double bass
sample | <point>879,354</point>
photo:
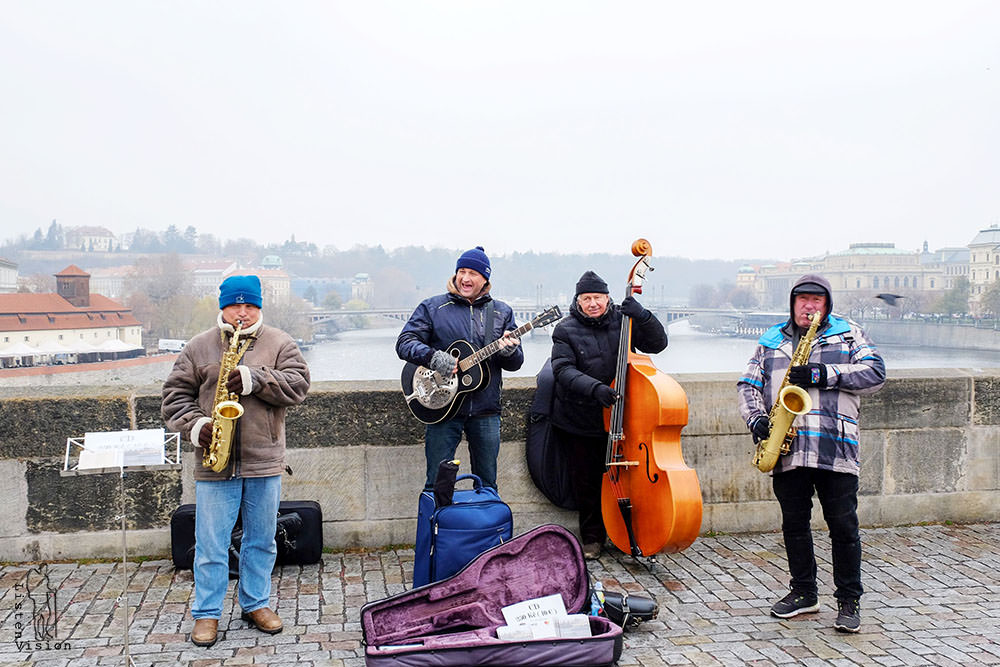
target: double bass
<point>650,500</point>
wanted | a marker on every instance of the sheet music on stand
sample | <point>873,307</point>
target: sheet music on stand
<point>122,451</point>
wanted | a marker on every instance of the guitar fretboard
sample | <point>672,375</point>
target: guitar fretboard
<point>489,350</point>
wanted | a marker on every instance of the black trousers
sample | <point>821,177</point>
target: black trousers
<point>586,468</point>
<point>838,496</point>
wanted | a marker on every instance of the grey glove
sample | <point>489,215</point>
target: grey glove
<point>443,363</point>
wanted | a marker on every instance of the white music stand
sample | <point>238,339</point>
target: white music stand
<point>122,452</point>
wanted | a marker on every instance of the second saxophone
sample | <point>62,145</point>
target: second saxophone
<point>792,402</point>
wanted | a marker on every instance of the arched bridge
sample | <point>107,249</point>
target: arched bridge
<point>666,314</point>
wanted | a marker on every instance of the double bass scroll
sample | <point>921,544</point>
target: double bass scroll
<point>650,499</point>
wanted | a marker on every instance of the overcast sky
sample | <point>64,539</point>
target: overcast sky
<point>714,129</point>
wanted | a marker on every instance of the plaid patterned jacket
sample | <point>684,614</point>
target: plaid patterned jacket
<point>828,435</point>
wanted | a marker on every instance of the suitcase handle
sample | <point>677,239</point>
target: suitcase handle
<point>477,482</point>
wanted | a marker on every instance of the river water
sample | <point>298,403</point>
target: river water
<point>369,354</point>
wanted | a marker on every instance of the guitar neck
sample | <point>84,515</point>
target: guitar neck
<point>489,350</point>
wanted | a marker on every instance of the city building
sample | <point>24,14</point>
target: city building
<point>953,263</point>
<point>984,264</point>
<point>90,239</point>
<point>112,281</point>
<point>275,284</point>
<point>857,275</point>
<point>362,288</point>
<point>8,276</point>
<point>69,326</point>
<point>206,276</point>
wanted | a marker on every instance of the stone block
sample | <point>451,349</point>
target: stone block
<point>986,410</point>
<point>393,480</point>
<point>147,412</point>
<point>39,427</point>
<point>713,404</point>
<point>91,502</point>
<point>334,477</point>
<point>514,480</point>
<point>741,517</point>
<point>918,402</point>
<point>982,464</point>
<point>724,467</point>
<point>924,461</point>
<point>872,460</point>
<point>342,418</point>
<point>960,507</point>
<point>15,500</point>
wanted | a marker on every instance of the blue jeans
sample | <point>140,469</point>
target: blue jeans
<point>483,433</point>
<point>217,504</point>
<point>838,496</point>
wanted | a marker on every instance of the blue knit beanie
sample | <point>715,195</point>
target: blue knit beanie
<point>240,289</point>
<point>476,260</point>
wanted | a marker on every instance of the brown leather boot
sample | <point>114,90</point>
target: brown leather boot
<point>264,620</point>
<point>205,631</point>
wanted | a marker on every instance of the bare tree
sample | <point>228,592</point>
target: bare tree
<point>38,283</point>
<point>290,316</point>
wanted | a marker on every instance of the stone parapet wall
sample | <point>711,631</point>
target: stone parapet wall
<point>930,453</point>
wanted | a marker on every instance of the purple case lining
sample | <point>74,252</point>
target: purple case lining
<point>454,621</point>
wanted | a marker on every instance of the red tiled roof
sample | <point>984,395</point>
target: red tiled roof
<point>72,270</point>
<point>38,312</point>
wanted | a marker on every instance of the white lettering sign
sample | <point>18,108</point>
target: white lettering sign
<point>529,611</point>
<point>113,449</point>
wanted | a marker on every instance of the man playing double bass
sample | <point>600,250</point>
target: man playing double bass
<point>584,357</point>
<point>823,457</point>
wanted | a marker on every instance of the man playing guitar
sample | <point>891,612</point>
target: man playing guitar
<point>465,312</point>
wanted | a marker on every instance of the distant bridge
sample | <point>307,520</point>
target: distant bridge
<point>666,314</point>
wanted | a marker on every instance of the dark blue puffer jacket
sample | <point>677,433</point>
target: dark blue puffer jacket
<point>440,321</point>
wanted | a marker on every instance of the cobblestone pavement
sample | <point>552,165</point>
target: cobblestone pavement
<point>933,598</point>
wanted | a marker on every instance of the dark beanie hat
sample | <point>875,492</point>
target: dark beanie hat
<point>590,282</point>
<point>240,289</point>
<point>476,260</point>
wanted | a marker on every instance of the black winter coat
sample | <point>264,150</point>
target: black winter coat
<point>584,355</point>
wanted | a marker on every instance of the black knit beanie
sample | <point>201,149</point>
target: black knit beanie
<point>590,282</point>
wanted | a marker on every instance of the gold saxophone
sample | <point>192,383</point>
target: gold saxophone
<point>226,409</point>
<point>792,402</point>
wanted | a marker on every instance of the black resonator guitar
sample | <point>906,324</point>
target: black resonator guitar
<point>432,398</point>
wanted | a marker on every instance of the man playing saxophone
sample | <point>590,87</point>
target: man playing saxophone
<point>237,467</point>
<point>823,456</point>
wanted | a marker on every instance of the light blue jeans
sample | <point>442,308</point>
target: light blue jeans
<point>217,504</point>
<point>483,433</point>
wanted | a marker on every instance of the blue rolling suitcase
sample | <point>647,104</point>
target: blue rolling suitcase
<point>449,537</point>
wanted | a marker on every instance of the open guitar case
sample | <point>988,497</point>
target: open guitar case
<point>454,622</point>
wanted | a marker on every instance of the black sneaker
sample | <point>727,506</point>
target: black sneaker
<point>794,604</point>
<point>848,615</point>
